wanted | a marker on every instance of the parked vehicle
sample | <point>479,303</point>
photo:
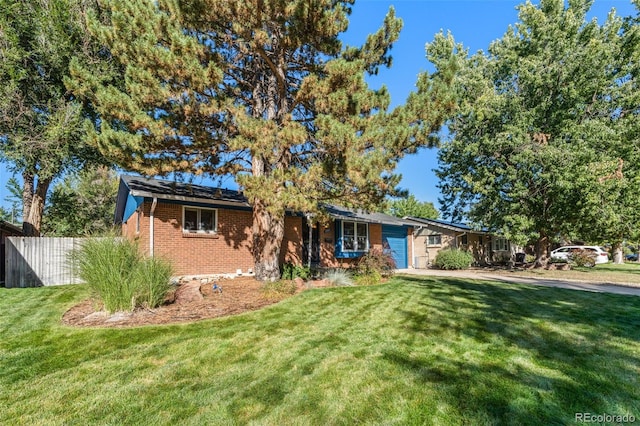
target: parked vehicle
<point>599,254</point>
<point>633,257</point>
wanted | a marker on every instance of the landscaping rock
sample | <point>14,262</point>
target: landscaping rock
<point>188,293</point>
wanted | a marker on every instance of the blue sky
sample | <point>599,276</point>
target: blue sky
<point>474,23</point>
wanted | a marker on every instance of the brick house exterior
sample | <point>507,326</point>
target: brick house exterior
<point>204,230</point>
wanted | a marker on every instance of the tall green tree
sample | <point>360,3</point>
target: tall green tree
<point>14,199</point>
<point>265,91</point>
<point>41,122</point>
<point>536,126</point>
<point>410,206</point>
<point>82,204</point>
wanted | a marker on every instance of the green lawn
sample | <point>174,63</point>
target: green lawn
<point>414,351</point>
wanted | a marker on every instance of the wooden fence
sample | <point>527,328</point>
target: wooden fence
<point>39,261</point>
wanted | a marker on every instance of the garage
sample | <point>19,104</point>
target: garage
<point>394,239</point>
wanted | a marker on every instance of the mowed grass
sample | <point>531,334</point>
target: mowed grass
<point>627,273</point>
<point>416,350</point>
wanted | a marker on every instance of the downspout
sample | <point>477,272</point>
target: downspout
<point>309,217</point>
<point>153,209</point>
<point>413,250</point>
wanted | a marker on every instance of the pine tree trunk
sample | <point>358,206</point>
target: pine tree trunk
<point>268,233</point>
<point>542,251</point>
<point>33,217</point>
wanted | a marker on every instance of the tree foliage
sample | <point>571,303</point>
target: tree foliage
<point>538,147</point>
<point>410,206</point>
<point>41,122</point>
<point>264,91</point>
<point>82,204</point>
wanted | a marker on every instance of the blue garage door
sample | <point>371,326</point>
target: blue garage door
<point>394,238</point>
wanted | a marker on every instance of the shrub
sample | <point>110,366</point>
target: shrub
<point>291,271</point>
<point>152,281</point>
<point>118,275</point>
<point>276,290</point>
<point>339,278</point>
<point>453,259</point>
<point>378,261</point>
<point>582,258</point>
<point>557,260</point>
<point>370,278</point>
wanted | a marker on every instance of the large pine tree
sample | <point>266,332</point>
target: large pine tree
<point>262,90</point>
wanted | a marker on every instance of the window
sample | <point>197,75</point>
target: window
<point>434,240</point>
<point>464,240</point>
<point>355,236</point>
<point>499,244</point>
<point>199,220</point>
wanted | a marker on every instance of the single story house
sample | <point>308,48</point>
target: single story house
<point>432,235</point>
<point>204,230</point>
<point>6,230</point>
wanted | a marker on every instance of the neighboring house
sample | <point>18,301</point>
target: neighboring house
<point>431,236</point>
<point>203,230</point>
<point>6,230</point>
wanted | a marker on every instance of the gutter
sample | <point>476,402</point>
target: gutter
<point>151,220</point>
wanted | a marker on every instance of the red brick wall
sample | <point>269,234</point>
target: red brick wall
<point>201,254</point>
<point>327,248</point>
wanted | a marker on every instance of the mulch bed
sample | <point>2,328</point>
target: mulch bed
<point>191,302</point>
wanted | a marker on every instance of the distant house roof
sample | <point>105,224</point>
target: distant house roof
<point>134,189</point>
<point>459,227</point>
<point>10,228</point>
<point>343,213</point>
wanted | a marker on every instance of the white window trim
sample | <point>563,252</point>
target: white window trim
<point>199,210</point>
<point>355,236</point>
<point>494,246</point>
<point>435,244</point>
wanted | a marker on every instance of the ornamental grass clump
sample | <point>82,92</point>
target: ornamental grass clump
<point>119,276</point>
<point>339,278</point>
<point>453,259</point>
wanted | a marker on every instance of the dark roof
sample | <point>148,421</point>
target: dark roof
<point>344,213</point>
<point>10,228</point>
<point>460,227</point>
<point>165,189</point>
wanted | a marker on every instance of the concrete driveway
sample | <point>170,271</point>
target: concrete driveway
<point>599,287</point>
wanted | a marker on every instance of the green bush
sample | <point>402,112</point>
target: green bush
<point>291,271</point>
<point>119,276</point>
<point>370,278</point>
<point>378,261</point>
<point>582,258</point>
<point>152,281</point>
<point>453,259</point>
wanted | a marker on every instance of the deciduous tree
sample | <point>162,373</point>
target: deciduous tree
<point>537,132</point>
<point>82,204</point>
<point>410,206</point>
<point>265,91</point>
<point>41,122</point>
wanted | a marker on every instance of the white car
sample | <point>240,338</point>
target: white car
<point>600,254</point>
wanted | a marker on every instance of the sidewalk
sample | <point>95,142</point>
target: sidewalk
<point>599,287</point>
